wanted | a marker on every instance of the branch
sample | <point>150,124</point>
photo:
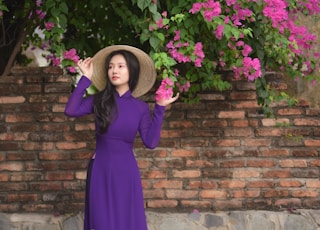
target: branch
<point>14,53</point>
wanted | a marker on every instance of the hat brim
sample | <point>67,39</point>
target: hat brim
<point>147,76</point>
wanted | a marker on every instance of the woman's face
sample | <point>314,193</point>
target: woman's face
<point>118,73</point>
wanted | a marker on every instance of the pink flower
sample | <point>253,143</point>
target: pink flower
<point>177,35</point>
<point>213,10</point>
<point>71,54</point>
<point>219,32</point>
<point>49,25</point>
<point>40,14</point>
<point>71,69</point>
<point>165,90</point>
<point>164,14</point>
<point>183,88</point>
<point>246,50</point>
<point>198,50</point>
<point>160,23</point>
<point>56,61</point>
<point>196,7</point>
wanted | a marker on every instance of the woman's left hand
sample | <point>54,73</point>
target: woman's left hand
<point>167,101</point>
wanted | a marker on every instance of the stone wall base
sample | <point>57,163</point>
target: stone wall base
<point>233,220</point>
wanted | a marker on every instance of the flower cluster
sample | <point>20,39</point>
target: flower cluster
<point>247,37</point>
<point>165,90</point>
<point>68,60</point>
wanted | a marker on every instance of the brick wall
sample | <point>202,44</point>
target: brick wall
<point>219,154</point>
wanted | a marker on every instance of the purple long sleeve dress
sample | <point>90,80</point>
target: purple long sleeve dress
<point>115,198</point>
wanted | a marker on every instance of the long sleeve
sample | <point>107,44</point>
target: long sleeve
<point>150,129</point>
<point>77,105</point>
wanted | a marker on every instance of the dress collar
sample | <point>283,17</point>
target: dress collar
<point>125,95</point>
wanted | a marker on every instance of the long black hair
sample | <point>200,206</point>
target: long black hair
<point>105,107</point>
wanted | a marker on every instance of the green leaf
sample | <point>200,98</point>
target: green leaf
<point>143,4</point>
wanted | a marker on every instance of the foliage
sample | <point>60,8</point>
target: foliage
<point>190,41</point>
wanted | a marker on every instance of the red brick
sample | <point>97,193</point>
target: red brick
<point>247,105</point>
<point>212,97</point>
<point>70,146</point>
<point>37,146</point>
<point>238,132</point>
<point>214,123</point>
<point>314,163</point>
<point>199,164</point>
<point>26,176</point>
<point>246,193</point>
<point>54,176</point>
<point>12,100</point>
<point>10,208</point>
<point>143,164</point>
<point>260,184</point>
<point>231,114</point>
<point>227,204</point>
<point>256,142</point>
<point>313,184</point>
<point>11,166</point>
<point>312,112</point>
<point>202,184</point>
<point>277,174</point>
<point>281,122</point>
<point>213,194</point>
<point>162,203</point>
<point>170,163</point>
<point>240,123</point>
<point>4,177</point>
<point>291,202</point>
<point>189,143</point>
<point>305,153</point>
<point>172,184</point>
<point>261,163</point>
<point>290,183</point>
<point>181,194</point>
<point>243,95</point>
<point>45,186</point>
<point>54,156</point>
<point>184,153</point>
<point>290,111</point>
<point>312,143</point>
<point>232,164</point>
<point>38,208</point>
<point>181,124</point>
<point>232,184</point>
<point>24,156</point>
<point>276,193</point>
<point>275,153</point>
<point>84,127</point>
<point>196,204</point>
<point>175,133</point>
<point>269,132</point>
<point>153,194</point>
<point>13,187</point>
<point>186,173</point>
<point>154,174</point>
<point>305,193</point>
<point>226,143</point>
<point>18,118</point>
<point>306,122</point>
<point>22,197</point>
<point>293,163</point>
<point>245,174</point>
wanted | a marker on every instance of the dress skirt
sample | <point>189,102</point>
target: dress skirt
<point>114,197</point>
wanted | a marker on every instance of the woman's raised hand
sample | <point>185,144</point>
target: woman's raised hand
<point>86,67</point>
<point>166,101</point>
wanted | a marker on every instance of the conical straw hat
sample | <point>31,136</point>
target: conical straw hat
<point>147,75</point>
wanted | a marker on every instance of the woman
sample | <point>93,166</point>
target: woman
<point>114,198</point>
